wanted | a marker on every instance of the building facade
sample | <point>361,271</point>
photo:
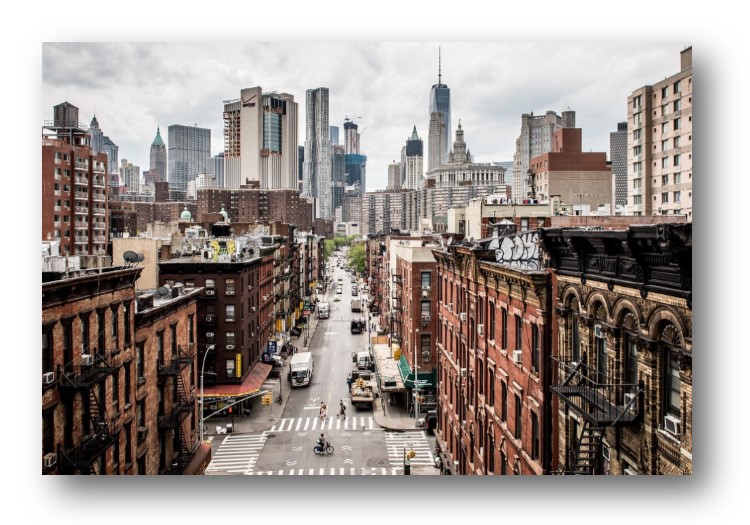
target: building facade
<point>215,167</point>
<point>130,175</point>
<point>437,141</point>
<point>381,212</point>
<point>534,140</point>
<point>189,147</point>
<point>440,102</point>
<point>618,155</point>
<point>158,166</point>
<point>414,162</point>
<point>317,181</point>
<point>660,145</point>
<point>74,186</point>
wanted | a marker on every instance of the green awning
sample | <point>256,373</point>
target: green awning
<point>425,379</point>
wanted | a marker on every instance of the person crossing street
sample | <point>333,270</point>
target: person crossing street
<point>342,410</point>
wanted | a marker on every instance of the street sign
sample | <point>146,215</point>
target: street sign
<point>307,312</point>
<point>271,347</point>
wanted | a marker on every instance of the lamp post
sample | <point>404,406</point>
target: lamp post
<point>416,381</point>
<point>203,366</point>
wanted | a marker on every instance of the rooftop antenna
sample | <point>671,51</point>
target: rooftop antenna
<point>132,258</point>
<point>440,66</point>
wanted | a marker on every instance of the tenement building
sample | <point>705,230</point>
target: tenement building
<point>622,363</point>
<point>494,339</point>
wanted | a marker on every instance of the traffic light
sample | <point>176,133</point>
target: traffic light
<point>411,454</point>
<point>266,399</point>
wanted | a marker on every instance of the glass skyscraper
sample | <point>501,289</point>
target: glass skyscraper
<point>189,147</point>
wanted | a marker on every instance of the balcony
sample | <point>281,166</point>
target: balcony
<point>100,226</point>
<point>99,167</point>
<point>82,181</point>
<point>58,208</point>
<point>98,182</point>
<point>81,224</point>
<point>100,197</point>
<point>100,238</point>
<point>82,455</point>
<point>81,239</point>
<point>82,210</point>
<point>81,195</point>
<point>100,211</point>
<point>57,224</point>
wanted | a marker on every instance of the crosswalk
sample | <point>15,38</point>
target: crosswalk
<point>303,424</point>
<point>416,440</point>
<point>237,454</point>
<point>331,471</point>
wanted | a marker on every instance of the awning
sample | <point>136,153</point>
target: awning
<point>250,385</point>
<point>425,379</point>
<point>200,461</point>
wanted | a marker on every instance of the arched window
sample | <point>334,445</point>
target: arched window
<point>575,336</point>
<point>669,344</point>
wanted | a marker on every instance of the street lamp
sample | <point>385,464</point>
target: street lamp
<point>203,366</point>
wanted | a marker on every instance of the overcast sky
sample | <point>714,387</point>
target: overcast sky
<point>133,87</point>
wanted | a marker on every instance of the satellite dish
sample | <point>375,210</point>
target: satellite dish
<point>131,257</point>
<point>163,291</point>
<point>140,257</point>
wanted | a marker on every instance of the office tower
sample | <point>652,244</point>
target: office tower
<point>300,166</point>
<point>131,176</point>
<point>112,151</point>
<point>440,102</point>
<point>414,173</point>
<point>317,181</point>
<point>437,141</point>
<point>189,147</point>
<point>338,176</point>
<point>660,145</point>
<point>74,189</point>
<point>260,139</point>
<point>157,170</point>
<point>618,154</point>
<point>97,137</point>
<point>356,163</point>
<point>334,135</point>
<point>351,137</point>
<point>534,140</point>
<point>215,167</point>
<point>394,176</point>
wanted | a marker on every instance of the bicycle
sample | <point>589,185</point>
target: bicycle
<point>279,399</point>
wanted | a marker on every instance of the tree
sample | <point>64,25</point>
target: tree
<point>328,246</point>
<point>357,257</point>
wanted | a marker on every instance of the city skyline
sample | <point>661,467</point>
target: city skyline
<point>492,85</point>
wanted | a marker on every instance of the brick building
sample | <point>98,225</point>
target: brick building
<point>622,364</point>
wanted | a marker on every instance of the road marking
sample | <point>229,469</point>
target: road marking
<point>331,333</point>
<point>311,408</point>
<point>291,463</point>
<point>307,423</point>
<point>298,424</point>
<point>301,433</point>
<point>297,449</point>
<point>346,447</point>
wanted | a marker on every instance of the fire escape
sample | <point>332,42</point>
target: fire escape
<point>87,379</point>
<point>182,406</point>
<point>600,405</point>
<point>396,308</point>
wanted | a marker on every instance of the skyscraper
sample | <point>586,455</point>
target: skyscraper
<point>130,175</point>
<point>157,170</point>
<point>414,173</point>
<point>97,137</point>
<point>618,154</point>
<point>334,135</point>
<point>338,176</point>
<point>394,176</point>
<point>440,102</point>
<point>189,147</point>
<point>260,139</point>
<point>356,163</point>
<point>215,167</point>
<point>534,140</point>
<point>317,168</point>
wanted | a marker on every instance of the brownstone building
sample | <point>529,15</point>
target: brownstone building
<point>494,414</point>
<point>100,377</point>
<point>622,369</point>
<point>74,186</point>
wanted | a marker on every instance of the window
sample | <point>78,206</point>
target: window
<point>425,280</point>
<point>426,346</point>
<point>637,200</point>
<point>524,224</point>
<point>677,123</point>
<point>665,127</point>
<point>140,412</point>
<point>128,444</point>
<point>491,387</point>
<point>67,343</point>
<point>535,349</point>
<point>126,317</point>
<point>535,443</point>
<point>230,312</point>
<point>173,336</point>
<point>677,178</point>
<point>189,284</point>
<point>115,325</point>
<point>140,364</point>
<point>664,109</point>
<point>637,184</point>
<point>665,162</point>
<point>676,196</point>
<point>504,322</point>
<point>664,180</point>
<point>425,310</point>
<point>503,463</point>
<point>664,145</point>
<point>503,401</point>
<point>210,283</point>
<point>637,150</point>
<point>637,120</point>
<point>575,340</point>
<point>230,368</point>
<point>230,338</point>
<point>85,334</point>
<point>519,427</point>
<point>677,160</point>
<point>191,330</point>
<point>601,358</point>
<point>672,387</point>
<point>115,388</point>
<point>677,105</point>
<point>677,86</point>
<point>47,354</point>
<point>631,360</point>
<point>160,347</point>
<point>664,92</point>
<point>637,134</point>
<point>48,431</point>
<point>637,167</point>
<point>492,321</point>
<point>229,286</point>
<point>128,383</point>
<point>519,333</point>
<point>636,101</point>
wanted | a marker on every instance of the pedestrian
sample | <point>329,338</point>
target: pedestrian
<point>323,410</point>
<point>342,410</point>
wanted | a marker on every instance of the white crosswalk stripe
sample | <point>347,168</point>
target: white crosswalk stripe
<point>331,471</point>
<point>237,454</point>
<point>397,442</point>
<point>288,424</point>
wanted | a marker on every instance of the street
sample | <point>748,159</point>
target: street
<point>285,447</point>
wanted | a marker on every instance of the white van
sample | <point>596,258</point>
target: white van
<point>363,360</point>
<point>323,310</point>
<point>301,369</point>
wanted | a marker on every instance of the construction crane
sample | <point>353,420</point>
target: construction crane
<point>347,119</point>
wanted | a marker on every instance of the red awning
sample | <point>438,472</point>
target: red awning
<point>250,385</point>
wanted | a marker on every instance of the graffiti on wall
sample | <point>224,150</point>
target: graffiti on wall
<point>519,251</point>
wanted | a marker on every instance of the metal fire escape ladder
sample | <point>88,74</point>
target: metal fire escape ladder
<point>589,452</point>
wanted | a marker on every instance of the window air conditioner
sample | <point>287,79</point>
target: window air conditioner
<point>517,356</point>
<point>463,372</point>
<point>462,316</point>
<point>49,460</point>
<point>230,292</point>
<point>597,330</point>
<point>87,360</point>
<point>480,329</point>
<point>210,291</point>
<point>450,307</point>
<point>252,308</point>
<point>48,378</point>
<point>209,318</point>
<point>627,398</point>
<point>672,425</point>
<point>425,293</point>
<point>230,347</point>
